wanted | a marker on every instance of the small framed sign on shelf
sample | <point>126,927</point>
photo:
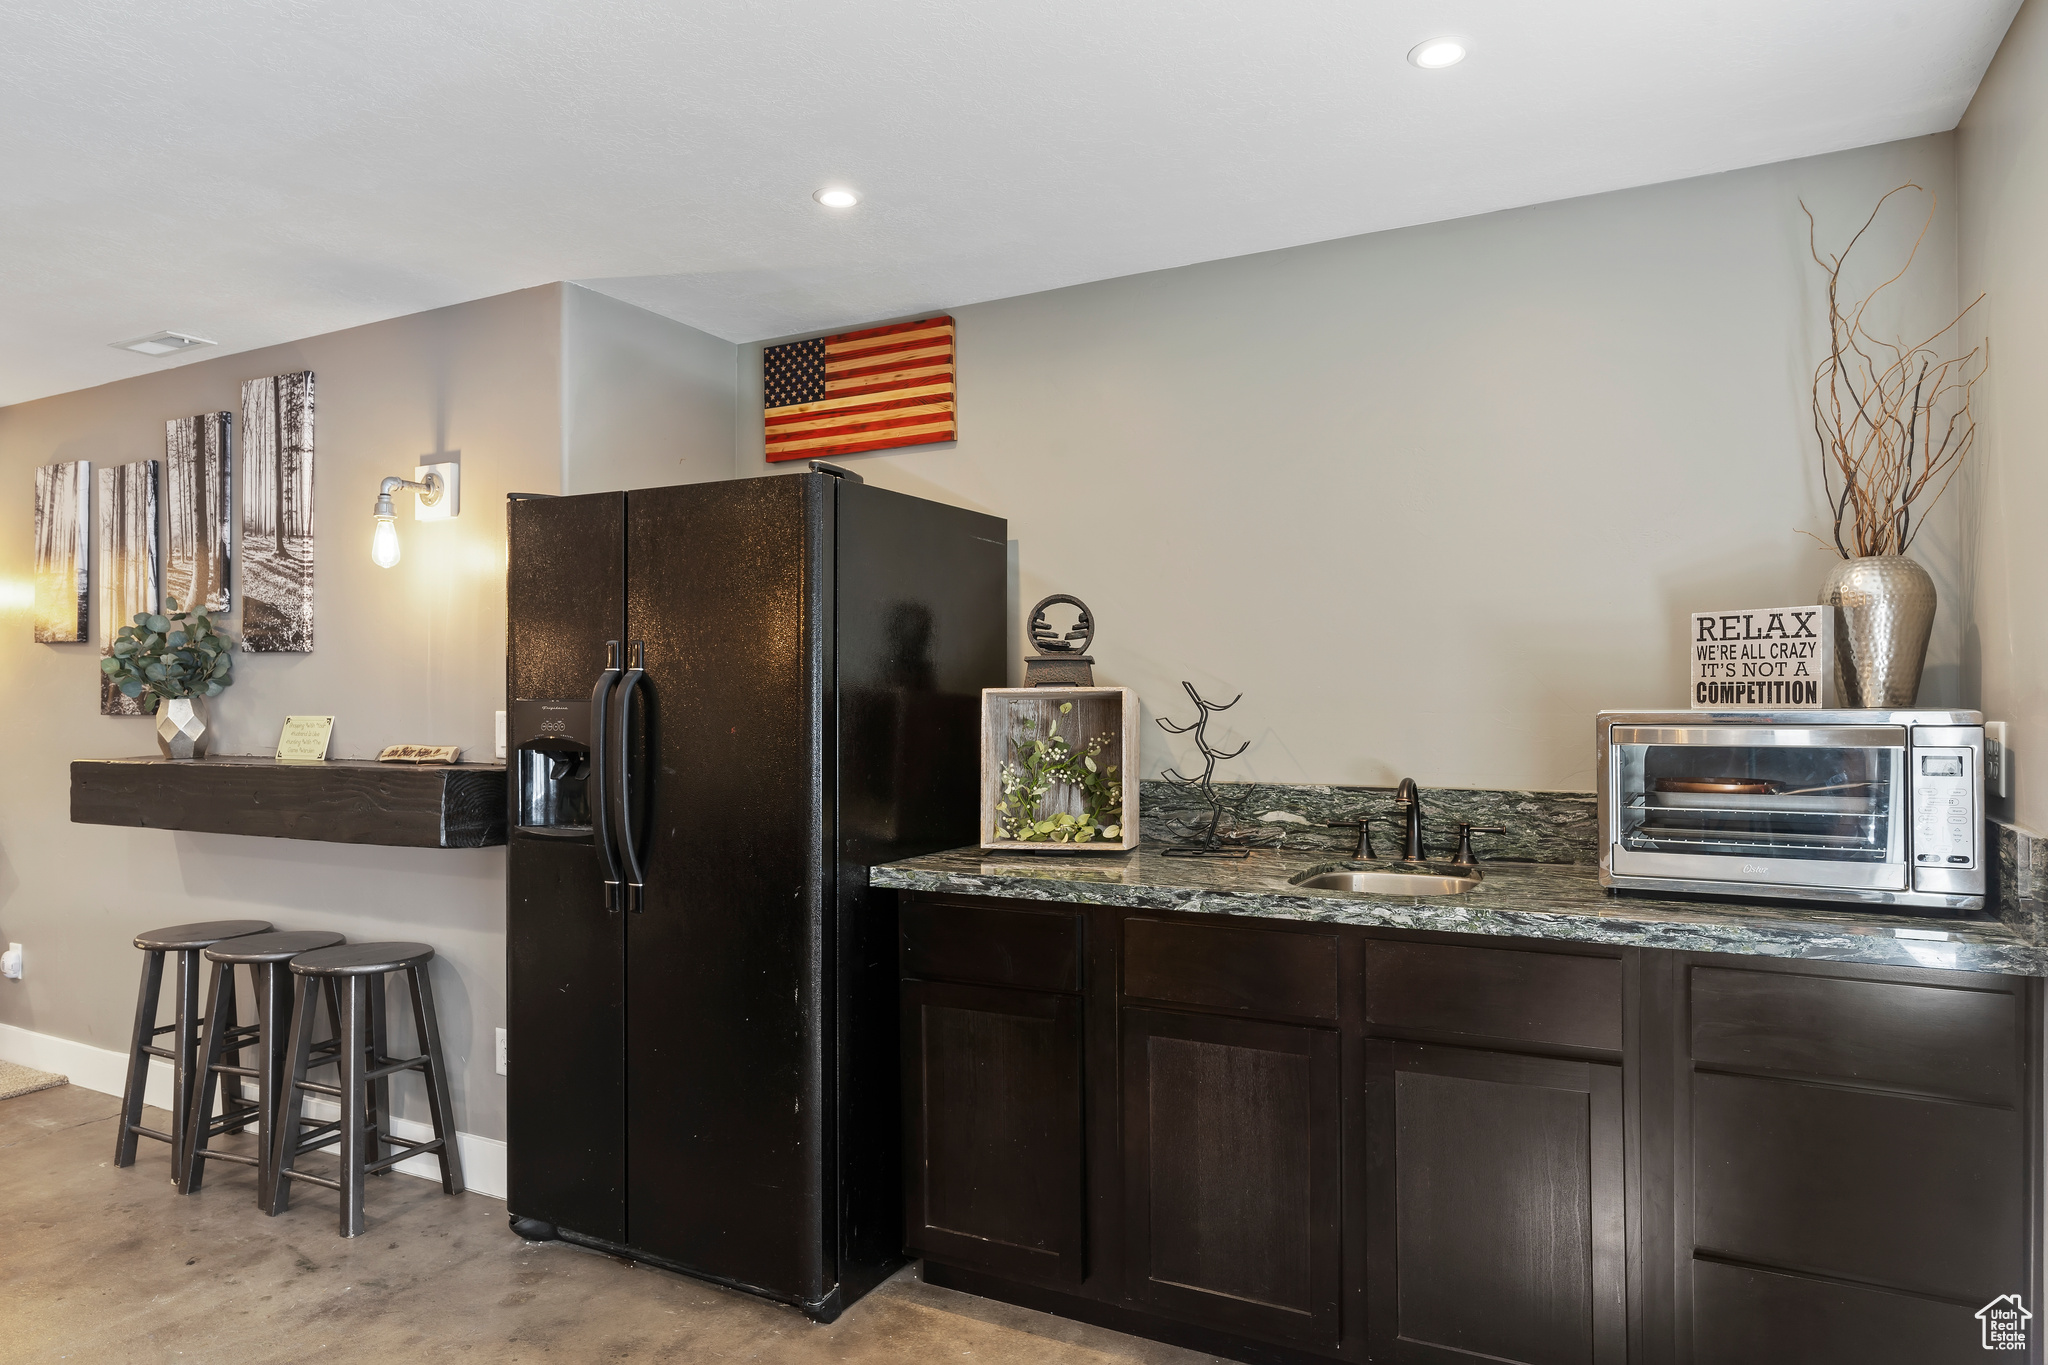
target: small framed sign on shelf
<point>304,739</point>
<point>1763,659</point>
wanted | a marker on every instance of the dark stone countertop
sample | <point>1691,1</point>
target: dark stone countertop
<point>1515,900</point>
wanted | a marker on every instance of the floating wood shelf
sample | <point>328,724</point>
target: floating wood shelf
<point>340,801</point>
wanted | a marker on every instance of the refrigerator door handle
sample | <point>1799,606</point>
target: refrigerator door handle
<point>600,808</point>
<point>622,776</point>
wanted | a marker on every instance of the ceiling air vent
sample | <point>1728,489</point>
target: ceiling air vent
<point>162,343</point>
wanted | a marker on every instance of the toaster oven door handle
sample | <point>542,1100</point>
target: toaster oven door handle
<point>1766,736</point>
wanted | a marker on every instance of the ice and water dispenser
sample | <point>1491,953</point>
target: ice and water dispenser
<point>552,741</point>
<point>580,773</point>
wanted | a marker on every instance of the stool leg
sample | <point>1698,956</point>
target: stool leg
<point>442,1109</point>
<point>354,1100</point>
<point>291,1103</point>
<point>273,1056</point>
<point>330,987</point>
<point>232,1100</point>
<point>185,1070</point>
<point>220,1012</point>
<point>144,1035</point>
<point>380,1089</point>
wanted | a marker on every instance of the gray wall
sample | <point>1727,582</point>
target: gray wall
<point>646,401</point>
<point>2003,156</point>
<point>415,653</point>
<point>1430,498</point>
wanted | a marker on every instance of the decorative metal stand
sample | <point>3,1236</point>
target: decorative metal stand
<point>1212,845</point>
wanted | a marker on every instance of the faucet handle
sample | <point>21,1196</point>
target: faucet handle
<point>1363,824</point>
<point>1465,832</point>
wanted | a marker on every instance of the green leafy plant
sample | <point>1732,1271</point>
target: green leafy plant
<point>1037,767</point>
<point>183,654</point>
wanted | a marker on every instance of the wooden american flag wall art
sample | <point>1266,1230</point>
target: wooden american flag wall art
<point>868,390</point>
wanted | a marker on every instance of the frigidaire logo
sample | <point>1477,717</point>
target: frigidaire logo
<point>2005,1321</point>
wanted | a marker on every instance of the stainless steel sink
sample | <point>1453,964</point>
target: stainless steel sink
<point>1418,883</point>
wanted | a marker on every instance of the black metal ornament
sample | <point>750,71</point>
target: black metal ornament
<point>1212,845</point>
<point>1060,661</point>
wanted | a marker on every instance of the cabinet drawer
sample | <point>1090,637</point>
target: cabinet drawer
<point>1742,1315</point>
<point>1029,949</point>
<point>1926,1196</point>
<point>1257,971</point>
<point>1557,998</point>
<point>1961,1044</point>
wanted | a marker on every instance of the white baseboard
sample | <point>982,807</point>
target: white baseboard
<point>104,1070</point>
<point>95,1068</point>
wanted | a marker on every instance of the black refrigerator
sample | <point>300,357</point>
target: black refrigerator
<point>728,700</point>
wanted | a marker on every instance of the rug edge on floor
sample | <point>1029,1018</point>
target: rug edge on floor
<point>16,1079</point>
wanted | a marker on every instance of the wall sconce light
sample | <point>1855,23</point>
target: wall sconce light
<point>440,497</point>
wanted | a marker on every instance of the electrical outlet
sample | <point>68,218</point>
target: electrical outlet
<point>1997,770</point>
<point>10,962</point>
<point>501,734</point>
<point>501,1052</point>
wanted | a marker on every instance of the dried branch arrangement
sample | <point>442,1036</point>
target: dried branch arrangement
<point>1893,418</point>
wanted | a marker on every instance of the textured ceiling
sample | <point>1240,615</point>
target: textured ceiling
<point>259,172</point>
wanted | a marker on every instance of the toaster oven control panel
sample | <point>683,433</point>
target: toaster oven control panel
<point>1944,807</point>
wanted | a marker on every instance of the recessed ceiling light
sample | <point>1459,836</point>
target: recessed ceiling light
<point>162,343</point>
<point>1437,53</point>
<point>836,198</point>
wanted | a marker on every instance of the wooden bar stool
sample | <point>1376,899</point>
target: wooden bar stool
<point>187,941</point>
<point>362,1088</point>
<point>265,955</point>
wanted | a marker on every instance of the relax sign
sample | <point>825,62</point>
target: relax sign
<point>1763,659</point>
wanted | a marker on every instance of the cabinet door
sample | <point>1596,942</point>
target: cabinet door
<point>1231,1136</point>
<point>992,1126</point>
<point>1495,1188</point>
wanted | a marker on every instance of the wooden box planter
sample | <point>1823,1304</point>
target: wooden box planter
<point>1097,711</point>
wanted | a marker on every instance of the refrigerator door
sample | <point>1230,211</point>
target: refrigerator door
<point>921,629</point>
<point>565,951</point>
<point>730,591</point>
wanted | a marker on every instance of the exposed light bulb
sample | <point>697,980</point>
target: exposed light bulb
<point>836,198</point>
<point>384,544</point>
<point>1437,53</point>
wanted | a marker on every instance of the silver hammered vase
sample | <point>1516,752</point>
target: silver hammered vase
<point>1884,612</point>
<point>181,727</point>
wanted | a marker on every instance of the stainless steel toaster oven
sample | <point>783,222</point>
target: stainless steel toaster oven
<point>1882,807</point>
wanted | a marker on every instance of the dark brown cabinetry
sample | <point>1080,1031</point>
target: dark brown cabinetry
<point>994,1135</point>
<point>1291,1142</point>
<point>1853,1162</point>
<point>1231,1172</point>
<point>1496,1195</point>
<point>1495,1173</point>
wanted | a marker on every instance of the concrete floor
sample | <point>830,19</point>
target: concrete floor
<point>106,1265</point>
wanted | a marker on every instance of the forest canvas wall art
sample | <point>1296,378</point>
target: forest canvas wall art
<point>130,572</point>
<point>277,514</point>
<point>63,528</point>
<point>198,517</point>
